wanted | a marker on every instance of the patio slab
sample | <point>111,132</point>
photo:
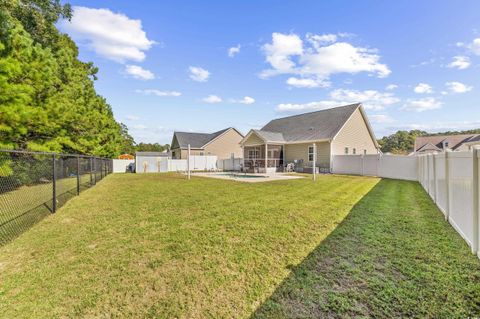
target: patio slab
<point>248,177</point>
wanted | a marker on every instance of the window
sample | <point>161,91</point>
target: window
<point>354,151</point>
<point>364,152</point>
<point>310,153</point>
<point>252,154</point>
<point>201,153</point>
<point>346,150</point>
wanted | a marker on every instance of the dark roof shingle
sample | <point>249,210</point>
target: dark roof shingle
<point>196,140</point>
<point>319,125</point>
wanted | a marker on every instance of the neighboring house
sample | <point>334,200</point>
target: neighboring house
<point>336,131</point>
<point>223,144</point>
<point>432,144</point>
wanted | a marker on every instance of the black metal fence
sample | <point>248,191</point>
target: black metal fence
<point>34,185</point>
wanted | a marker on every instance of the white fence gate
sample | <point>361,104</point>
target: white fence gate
<point>451,179</point>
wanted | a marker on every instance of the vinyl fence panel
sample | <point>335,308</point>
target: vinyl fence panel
<point>441,182</point>
<point>398,167</point>
<point>371,165</point>
<point>461,182</point>
<point>348,164</point>
<point>388,166</point>
<point>120,165</point>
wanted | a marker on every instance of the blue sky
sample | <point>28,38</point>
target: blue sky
<point>203,66</point>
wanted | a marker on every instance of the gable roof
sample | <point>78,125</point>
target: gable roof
<point>198,140</point>
<point>319,125</point>
<point>454,141</point>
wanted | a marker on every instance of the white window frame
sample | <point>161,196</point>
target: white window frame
<point>253,152</point>
<point>310,153</point>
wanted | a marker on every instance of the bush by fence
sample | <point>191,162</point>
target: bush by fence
<point>34,184</point>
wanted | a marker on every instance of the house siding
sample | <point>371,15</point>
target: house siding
<point>226,144</point>
<point>253,140</point>
<point>354,134</point>
<point>300,151</point>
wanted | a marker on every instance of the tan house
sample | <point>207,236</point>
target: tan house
<point>440,143</point>
<point>336,131</point>
<point>223,144</point>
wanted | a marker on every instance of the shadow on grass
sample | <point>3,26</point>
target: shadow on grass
<point>393,256</point>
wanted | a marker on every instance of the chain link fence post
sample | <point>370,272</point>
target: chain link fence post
<point>54,184</point>
<point>91,171</point>
<point>78,175</point>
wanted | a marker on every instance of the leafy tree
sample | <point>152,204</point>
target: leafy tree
<point>48,99</point>
<point>402,142</point>
<point>152,147</point>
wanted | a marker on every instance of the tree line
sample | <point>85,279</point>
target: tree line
<point>48,100</point>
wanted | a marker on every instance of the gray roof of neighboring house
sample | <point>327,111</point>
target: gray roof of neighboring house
<point>196,140</point>
<point>156,154</point>
<point>454,141</point>
<point>319,125</point>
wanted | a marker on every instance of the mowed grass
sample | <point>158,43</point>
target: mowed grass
<point>162,247</point>
<point>394,256</point>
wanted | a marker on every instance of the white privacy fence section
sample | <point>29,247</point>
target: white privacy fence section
<point>120,165</point>
<point>389,166</point>
<point>451,179</point>
<point>164,164</point>
<point>230,164</point>
<point>203,163</point>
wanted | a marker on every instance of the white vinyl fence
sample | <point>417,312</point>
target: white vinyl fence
<point>120,165</point>
<point>388,166</point>
<point>451,179</point>
<point>164,164</point>
<point>230,164</point>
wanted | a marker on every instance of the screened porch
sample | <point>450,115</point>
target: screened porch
<point>267,158</point>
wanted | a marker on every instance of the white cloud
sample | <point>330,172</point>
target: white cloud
<point>371,99</point>
<point>380,118</point>
<point>458,87</point>
<point>132,117</point>
<point>318,40</point>
<point>158,92</point>
<point>198,74</point>
<point>212,99</point>
<point>422,88</point>
<point>474,46</point>
<point>306,83</point>
<point>138,72</point>
<point>233,51</point>
<point>246,100</point>
<point>139,127</point>
<point>391,87</point>
<point>421,105</point>
<point>319,57</point>
<point>460,62</point>
<point>111,35</point>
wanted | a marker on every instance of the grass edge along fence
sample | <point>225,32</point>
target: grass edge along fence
<point>452,180</point>
<point>35,184</point>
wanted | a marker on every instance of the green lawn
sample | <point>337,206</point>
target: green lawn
<point>162,247</point>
